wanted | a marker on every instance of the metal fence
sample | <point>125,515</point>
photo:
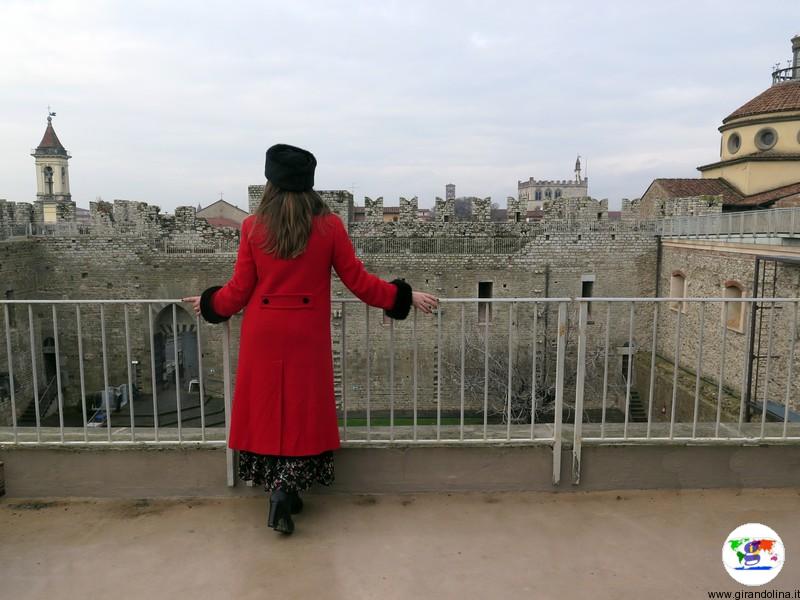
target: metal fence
<point>479,371</point>
<point>774,222</point>
<point>727,372</point>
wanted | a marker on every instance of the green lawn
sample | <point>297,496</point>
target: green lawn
<point>400,421</point>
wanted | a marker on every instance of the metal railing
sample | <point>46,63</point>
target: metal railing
<point>506,429</point>
<point>787,74</point>
<point>713,372</point>
<point>774,222</point>
<point>478,371</point>
<point>127,432</point>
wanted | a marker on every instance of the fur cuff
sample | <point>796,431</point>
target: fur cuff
<point>206,308</point>
<point>402,303</point>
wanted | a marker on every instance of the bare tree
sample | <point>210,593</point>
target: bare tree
<point>523,394</point>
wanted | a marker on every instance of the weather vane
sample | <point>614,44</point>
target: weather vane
<point>50,113</point>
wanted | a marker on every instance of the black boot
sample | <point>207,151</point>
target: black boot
<point>296,502</point>
<point>280,517</point>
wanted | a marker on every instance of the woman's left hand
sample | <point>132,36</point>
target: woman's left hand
<point>195,300</point>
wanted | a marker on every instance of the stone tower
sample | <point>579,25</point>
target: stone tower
<point>53,198</point>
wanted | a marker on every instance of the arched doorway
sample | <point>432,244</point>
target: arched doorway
<point>165,336</point>
<point>49,358</point>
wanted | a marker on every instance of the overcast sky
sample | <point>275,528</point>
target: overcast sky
<point>172,103</point>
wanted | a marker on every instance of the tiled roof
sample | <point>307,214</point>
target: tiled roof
<point>769,196</point>
<point>50,140</point>
<point>780,97</point>
<point>223,222</point>
<point>226,203</point>
<point>685,188</point>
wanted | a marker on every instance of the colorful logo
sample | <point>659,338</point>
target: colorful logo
<point>753,554</point>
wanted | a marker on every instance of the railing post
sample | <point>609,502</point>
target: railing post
<point>559,399</point>
<point>580,377</point>
<point>10,373</point>
<point>226,390</point>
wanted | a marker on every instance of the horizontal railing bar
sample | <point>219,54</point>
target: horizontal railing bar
<point>441,300</point>
<point>526,299</point>
<point>116,301</point>
<point>351,299</point>
<point>660,299</point>
<point>198,443</point>
<point>636,441</point>
<point>526,441</point>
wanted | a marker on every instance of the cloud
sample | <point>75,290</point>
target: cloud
<point>174,102</point>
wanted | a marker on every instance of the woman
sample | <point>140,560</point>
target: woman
<point>284,420</point>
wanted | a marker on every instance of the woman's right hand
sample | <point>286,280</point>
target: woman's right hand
<point>424,301</point>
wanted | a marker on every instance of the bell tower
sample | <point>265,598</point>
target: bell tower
<point>53,198</point>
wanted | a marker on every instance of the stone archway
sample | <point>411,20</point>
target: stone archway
<point>49,358</point>
<point>165,336</point>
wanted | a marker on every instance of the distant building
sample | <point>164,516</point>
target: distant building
<point>759,164</point>
<point>223,214</point>
<point>83,216</point>
<point>53,199</point>
<point>760,142</point>
<point>535,192</point>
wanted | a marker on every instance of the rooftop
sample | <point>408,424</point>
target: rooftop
<point>434,545</point>
<point>780,97</point>
<point>50,143</point>
<point>686,188</point>
<point>762,198</point>
<point>224,222</point>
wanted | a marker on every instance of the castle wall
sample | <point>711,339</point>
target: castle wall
<point>655,204</point>
<point>707,270</point>
<point>339,201</point>
<point>124,257</point>
<point>21,275</point>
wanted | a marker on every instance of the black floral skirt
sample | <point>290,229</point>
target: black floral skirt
<point>292,473</point>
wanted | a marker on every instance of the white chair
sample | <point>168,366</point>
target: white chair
<point>194,382</point>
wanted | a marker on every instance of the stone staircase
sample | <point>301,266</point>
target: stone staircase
<point>637,411</point>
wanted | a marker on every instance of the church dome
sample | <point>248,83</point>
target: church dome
<point>760,146</point>
<point>781,97</point>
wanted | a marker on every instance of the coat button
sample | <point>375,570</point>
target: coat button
<point>265,301</point>
<point>305,300</point>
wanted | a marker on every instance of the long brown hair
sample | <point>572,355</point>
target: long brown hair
<point>287,218</point>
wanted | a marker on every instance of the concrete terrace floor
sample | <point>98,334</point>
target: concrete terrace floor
<point>642,544</point>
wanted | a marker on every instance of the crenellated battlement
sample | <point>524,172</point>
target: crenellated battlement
<point>185,231</point>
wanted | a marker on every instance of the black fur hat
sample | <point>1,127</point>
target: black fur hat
<point>290,168</point>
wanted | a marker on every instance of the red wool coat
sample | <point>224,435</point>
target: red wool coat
<point>283,401</point>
